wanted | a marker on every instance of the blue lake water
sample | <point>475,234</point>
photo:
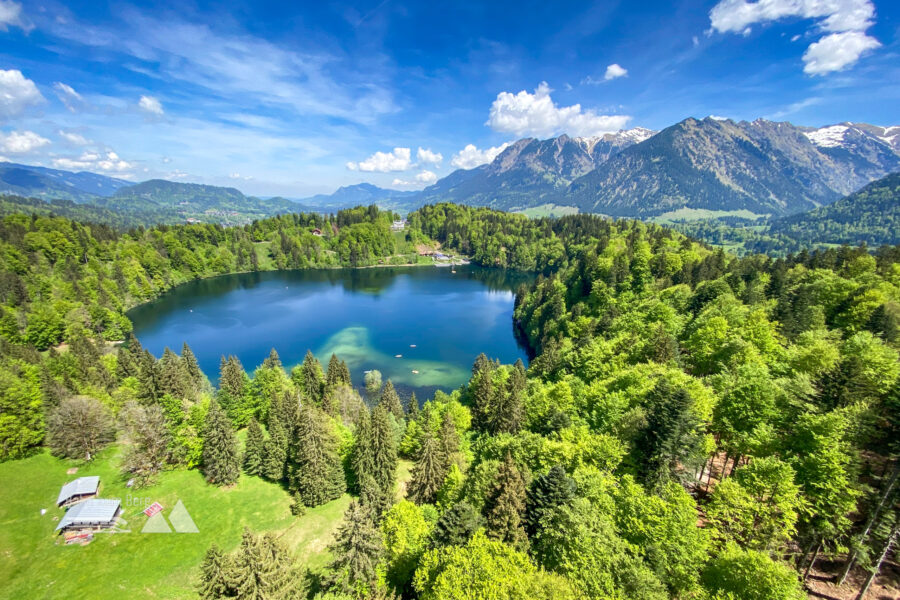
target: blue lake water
<point>437,320</point>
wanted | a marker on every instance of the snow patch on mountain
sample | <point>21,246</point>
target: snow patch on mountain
<point>828,137</point>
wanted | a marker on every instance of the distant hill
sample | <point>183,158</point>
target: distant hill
<point>722,166</point>
<point>41,182</point>
<point>871,215</point>
<point>530,172</point>
<point>363,194</point>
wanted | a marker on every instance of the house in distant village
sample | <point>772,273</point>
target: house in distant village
<point>78,490</point>
<point>91,515</point>
<point>398,225</point>
<point>317,232</point>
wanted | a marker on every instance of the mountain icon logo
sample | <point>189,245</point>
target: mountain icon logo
<point>180,519</point>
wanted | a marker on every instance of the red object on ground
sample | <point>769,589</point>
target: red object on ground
<point>153,509</point>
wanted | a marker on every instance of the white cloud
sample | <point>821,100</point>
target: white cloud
<point>614,71</point>
<point>239,176</point>
<point>536,114</point>
<point>68,96</point>
<point>836,51</point>
<point>845,22</point>
<point>177,174</point>
<point>426,157</point>
<point>16,94</point>
<point>11,15</point>
<point>74,138</point>
<point>108,162</point>
<point>424,177</point>
<point>399,159</point>
<point>151,105</point>
<point>837,15</point>
<point>21,142</point>
<point>471,157</point>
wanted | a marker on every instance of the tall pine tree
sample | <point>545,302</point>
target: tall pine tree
<point>314,465</point>
<point>428,472</point>
<point>215,575</point>
<point>254,450</point>
<point>384,451</point>
<point>505,505</point>
<point>357,549</point>
<point>221,461</point>
<point>546,493</point>
<point>391,401</point>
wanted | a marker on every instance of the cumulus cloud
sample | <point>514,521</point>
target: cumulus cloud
<point>845,22</point>
<point>74,138</point>
<point>16,94</point>
<point>239,176</point>
<point>471,157</point>
<point>21,142</point>
<point>424,177</point>
<point>526,114</point>
<point>614,71</point>
<point>11,16</point>
<point>399,159</point>
<point>151,105</point>
<point>108,162</point>
<point>68,96</point>
<point>836,51</point>
<point>426,157</point>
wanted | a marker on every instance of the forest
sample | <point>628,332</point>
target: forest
<point>693,424</point>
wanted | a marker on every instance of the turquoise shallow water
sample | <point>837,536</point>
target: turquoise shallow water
<point>365,316</point>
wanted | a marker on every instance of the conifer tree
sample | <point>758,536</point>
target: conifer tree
<point>546,493</point>
<point>448,440</point>
<point>254,451</point>
<point>172,378</point>
<point>428,472</point>
<point>232,389</point>
<point>273,361</point>
<point>456,525</point>
<point>315,468</point>
<point>505,505</point>
<point>362,461</point>
<point>391,401</point>
<point>508,411</point>
<point>345,374</point>
<point>148,378</point>
<point>215,572</point>
<point>384,451</point>
<point>483,393</point>
<point>126,363</point>
<point>412,408</point>
<point>357,548</point>
<point>221,461</point>
<point>309,377</point>
<point>275,450</point>
<point>333,375</point>
<point>191,367</point>
<point>262,569</point>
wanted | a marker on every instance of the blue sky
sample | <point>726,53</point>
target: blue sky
<point>296,100</point>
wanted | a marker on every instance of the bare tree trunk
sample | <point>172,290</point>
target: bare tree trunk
<point>734,466</point>
<point>874,573</point>
<point>813,560</point>
<point>876,511</point>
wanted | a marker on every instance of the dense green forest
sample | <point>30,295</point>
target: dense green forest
<point>693,424</point>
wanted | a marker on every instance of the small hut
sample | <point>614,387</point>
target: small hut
<point>78,490</point>
<point>91,515</point>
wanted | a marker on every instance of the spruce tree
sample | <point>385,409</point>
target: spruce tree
<point>345,374</point>
<point>412,408</point>
<point>273,361</point>
<point>428,472</point>
<point>263,570</point>
<point>357,548</point>
<point>191,367</point>
<point>126,363</point>
<point>448,440</point>
<point>314,465</point>
<point>384,451</point>
<point>215,574</point>
<point>254,451</point>
<point>333,375</point>
<point>275,451</point>
<point>391,401</point>
<point>362,461</point>
<point>221,461</point>
<point>456,525</point>
<point>546,493</point>
<point>172,377</point>
<point>483,394</point>
<point>505,505</point>
<point>511,414</point>
<point>148,378</point>
<point>310,377</point>
<point>232,389</point>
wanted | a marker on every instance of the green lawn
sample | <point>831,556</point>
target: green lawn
<point>34,564</point>
<point>548,210</point>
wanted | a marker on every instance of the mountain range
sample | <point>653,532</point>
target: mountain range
<point>697,168</point>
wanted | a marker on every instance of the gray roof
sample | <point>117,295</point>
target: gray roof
<point>95,510</point>
<point>82,485</point>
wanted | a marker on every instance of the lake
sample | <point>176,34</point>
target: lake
<point>436,320</point>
